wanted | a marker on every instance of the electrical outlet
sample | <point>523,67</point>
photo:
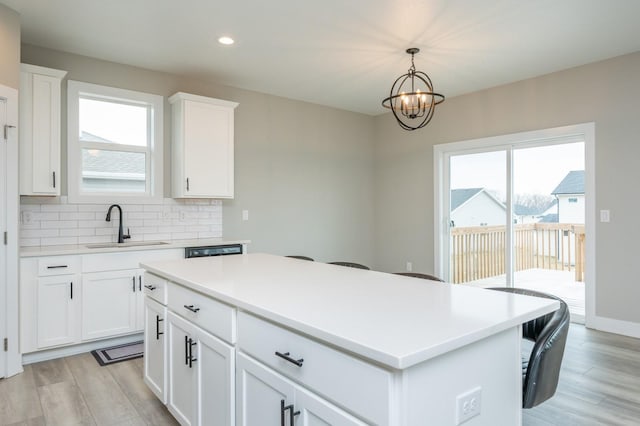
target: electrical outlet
<point>245,214</point>
<point>468,405</point>
<point>409,266</point>
<point>27,217</point>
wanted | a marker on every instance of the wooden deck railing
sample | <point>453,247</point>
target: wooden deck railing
<point>478,252</point>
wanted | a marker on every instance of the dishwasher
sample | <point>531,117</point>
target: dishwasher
<point>206,251</point>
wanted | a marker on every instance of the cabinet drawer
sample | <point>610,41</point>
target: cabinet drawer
<point>213,316</point>
<point>59,265</point>
<point>358,386</point>
<point>155,287</point>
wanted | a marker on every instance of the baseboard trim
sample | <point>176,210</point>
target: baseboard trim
<point>610,325</point>
<point>49,354</point>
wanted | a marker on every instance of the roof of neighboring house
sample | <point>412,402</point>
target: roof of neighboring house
<point>522,210</point>
<point>461,196</point>
<point>549,218</point>
<point>573,183</point>
<point>107,164</point>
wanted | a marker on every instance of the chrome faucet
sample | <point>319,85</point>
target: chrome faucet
<point>121,236</point>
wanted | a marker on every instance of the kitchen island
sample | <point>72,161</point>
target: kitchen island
<point>260,339</point>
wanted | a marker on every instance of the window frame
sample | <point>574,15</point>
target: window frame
<point>154,180</point>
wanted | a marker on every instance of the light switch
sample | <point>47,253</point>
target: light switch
<point>604,216</point>
<point>245,214</point>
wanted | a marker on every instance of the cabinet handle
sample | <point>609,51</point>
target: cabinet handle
<point>191,358</point>
<point>150,287</point>
<point>192,308</point>
<point>286,356</point>
<point>57,266</point>
<point>158,332</point>
<point>292,413</point>
<point>71,290</point>
<point>134,283</point>
<point>54,179</point>
<point>187,184</point>
<point>186,350</point>
<point>139,282</point>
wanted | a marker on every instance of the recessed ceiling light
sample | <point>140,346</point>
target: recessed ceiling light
<point>225,40</point>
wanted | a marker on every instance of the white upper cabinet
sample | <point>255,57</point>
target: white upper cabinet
<point>202,146</point>
<point>40,130</point>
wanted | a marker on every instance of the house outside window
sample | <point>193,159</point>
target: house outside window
<point>114,144</point>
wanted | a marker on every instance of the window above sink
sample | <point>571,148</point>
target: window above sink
<point>114,144</point>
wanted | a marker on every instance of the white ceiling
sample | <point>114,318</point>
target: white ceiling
<point>340,53</point>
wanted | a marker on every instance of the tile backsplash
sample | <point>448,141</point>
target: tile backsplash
<point>46,221</point>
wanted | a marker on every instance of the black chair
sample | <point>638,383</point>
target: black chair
<point>350,265</point>
<point>419,275</point>
<point>540,372</point>
<point>300,257</point>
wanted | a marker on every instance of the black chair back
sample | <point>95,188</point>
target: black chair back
<point>350,265</point>
<point>420,275</point>
<point>300,257</point>
<point>549,334</point>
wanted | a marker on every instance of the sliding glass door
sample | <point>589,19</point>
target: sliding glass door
<point>477,217</point>
<point>511,212</point>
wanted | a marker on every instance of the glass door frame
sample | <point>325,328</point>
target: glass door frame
<point>554,136</point>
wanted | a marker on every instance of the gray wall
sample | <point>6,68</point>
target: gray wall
<point>9,47</point>
<point>607,93</point>
<point>304,172</point>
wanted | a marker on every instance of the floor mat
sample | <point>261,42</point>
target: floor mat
<point>118,353</point>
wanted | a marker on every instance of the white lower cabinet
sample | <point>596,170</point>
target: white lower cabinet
<point>57,307</point>
<point>201,375</point>
<point>112,303</point>
<point>264,397</point>
<point>155,344</point>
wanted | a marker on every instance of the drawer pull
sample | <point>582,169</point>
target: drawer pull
<point>150,287</point>
<point>292,413</point>
<point>192,308</point>
<point>286,356</point>
<point>57,266</point>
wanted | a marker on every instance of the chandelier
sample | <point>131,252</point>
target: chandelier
<point>412,99</point>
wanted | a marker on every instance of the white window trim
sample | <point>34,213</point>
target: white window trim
<point>74,159</point>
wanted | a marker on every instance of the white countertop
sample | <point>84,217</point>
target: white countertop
<point>395,320</point>
<point>128,246</point>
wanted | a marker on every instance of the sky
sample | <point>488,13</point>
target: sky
<point>116,122</point>
<point>536,170</point>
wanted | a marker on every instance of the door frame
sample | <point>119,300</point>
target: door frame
<point>9,279</point>
<point>584,132</point>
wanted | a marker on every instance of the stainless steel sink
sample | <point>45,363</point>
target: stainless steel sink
<point>128,244</point>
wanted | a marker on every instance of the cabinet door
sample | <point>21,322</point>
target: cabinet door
<point>262,395</point>
<point>208,150</point>
<point>155,347</point>
<point>216,381</point>
<point>181,400</point>
<point>109,303</point>
<point>314,411</point>
<point>40,130</point>
<point>140,319</point>
<point>57,310</point>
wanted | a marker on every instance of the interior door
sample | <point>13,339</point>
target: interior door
<point>3,227</point>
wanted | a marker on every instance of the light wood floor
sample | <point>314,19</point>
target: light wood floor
<point>599,385</point>
<point>77,391</point>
